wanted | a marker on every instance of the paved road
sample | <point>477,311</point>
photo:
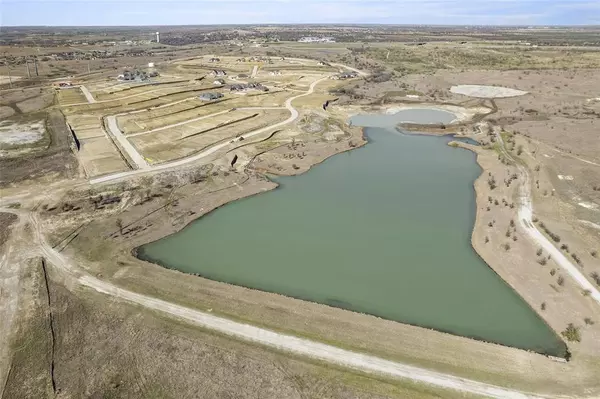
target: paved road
<point>87,95</point>
<point>134,155</point>
<point>282,342</point>
<point>211,150</point>
<point>525,220</point>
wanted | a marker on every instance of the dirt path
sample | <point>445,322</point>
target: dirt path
<point>281,342</point>
<point>525,219</point>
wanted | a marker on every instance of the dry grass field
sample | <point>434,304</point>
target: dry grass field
<point>70,96</point>
<point>82,344</point>
<point>185,140</point>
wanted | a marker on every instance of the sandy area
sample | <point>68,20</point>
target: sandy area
<point>15,134</point>
<point>481,91</point>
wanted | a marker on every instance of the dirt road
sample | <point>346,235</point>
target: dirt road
<point>525,220</point>
<point>281,342</point>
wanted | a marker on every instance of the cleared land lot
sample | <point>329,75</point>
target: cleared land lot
<point>99,156</point>
<point>146,91</point>
<point>138,102</point>
<point>97,153</point>
<point>86,126</point>
<point>185,140</point>
<point>193,108</point>
<point>180,112</point>
<point>71,96</point>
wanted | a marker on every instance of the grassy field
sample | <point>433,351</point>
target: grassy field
<point>434,56</point>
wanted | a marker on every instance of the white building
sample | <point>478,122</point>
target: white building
<point>313,39</point>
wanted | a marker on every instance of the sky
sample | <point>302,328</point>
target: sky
<point>207,12</point>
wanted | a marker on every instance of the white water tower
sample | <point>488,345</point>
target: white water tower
<point>157,37</point>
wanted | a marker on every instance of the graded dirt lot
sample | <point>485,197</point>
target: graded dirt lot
<point>184,140</point>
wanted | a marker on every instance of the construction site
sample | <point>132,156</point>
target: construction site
<point>317,218</point>
<point>123,127</point>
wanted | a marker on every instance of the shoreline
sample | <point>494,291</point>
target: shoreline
<point>351,330</point>
<point>134,252</point>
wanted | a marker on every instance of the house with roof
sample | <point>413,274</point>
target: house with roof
<point>214,59</point>
<point>218,72</point>
<point>344,75</point>
<point>210,96</point>
<point>248,86</point>
<point>219,82</point>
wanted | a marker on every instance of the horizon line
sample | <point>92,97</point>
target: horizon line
<point>311,24</point>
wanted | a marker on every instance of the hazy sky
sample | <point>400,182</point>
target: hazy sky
<point>186,12</point>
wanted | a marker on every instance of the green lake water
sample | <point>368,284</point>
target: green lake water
<point>384,229</point>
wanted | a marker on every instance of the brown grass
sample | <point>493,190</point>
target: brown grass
<point>120,350</point>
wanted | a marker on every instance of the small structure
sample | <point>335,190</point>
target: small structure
<point>218,72</point>
<point>313,39</point>
<point>219,82</point>
<point>242,76</point>
<point>135,75</point>
<point>210,96</point>
<point>64,85</point>
<point>323,63</point>
<point>214,59</point>
<point>151,65</point>
<point>248,86</point>
<point>344,75</point>
<point>275,73</point>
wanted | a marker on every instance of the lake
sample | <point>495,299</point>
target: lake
<point>384,229</point>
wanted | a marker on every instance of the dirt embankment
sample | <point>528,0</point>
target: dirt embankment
<point>6,220</point>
